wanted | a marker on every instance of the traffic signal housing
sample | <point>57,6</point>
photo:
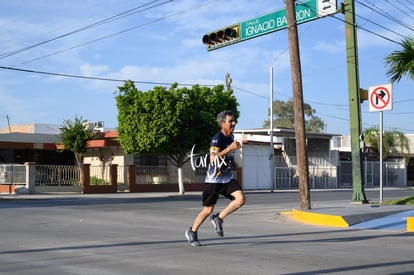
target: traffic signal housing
<point>220,38</point>
<point>363,95</point>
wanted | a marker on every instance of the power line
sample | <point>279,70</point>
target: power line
<point>123,14</point>
<point>365,29</point>
<point>381,26</point>
<point>119,80</point>
<point>120,32</point>
<point>129,12</point>
<point>384,13</point>
<point>336,117</point>
<point>401,10</point>
<point>179,84</point>
<point>410,2</point>
<point>97,78</point>
<point>252,93</point>
<point>372,32</point>
<point>101,22</point>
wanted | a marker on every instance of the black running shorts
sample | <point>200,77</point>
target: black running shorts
<point>212,191</point>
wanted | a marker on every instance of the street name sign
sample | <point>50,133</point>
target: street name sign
<point>271,22</point>
<point>277,20</point>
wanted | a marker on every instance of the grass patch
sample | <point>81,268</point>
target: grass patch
<point>403,201</point>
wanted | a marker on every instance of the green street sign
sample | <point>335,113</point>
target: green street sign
<point>276,20</point>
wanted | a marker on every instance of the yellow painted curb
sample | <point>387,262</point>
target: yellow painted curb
<point>285,213</point>
<point>318,219</point>
<point>410,224</point>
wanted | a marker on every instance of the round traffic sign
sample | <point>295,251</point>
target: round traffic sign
<point>380,98</point>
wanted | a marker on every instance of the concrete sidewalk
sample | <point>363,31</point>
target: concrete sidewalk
<point>361,216</point>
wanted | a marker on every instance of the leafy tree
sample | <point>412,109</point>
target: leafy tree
<point>75,136</point>
<point>283,116</point>
<point>393,142</point>
<point>401,62</point>
<point>170,120</point>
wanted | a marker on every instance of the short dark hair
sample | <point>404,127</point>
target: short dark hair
<point>221,117</point>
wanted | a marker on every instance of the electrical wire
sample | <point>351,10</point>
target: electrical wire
<point>401,10</point>
<point>191,84</point>
<point>97,78</point>
<point>101,22</point>
<point>249,92</point>
<point>151,22</point>
<point>149,82</point>
<point>118,33</point>
<point>384,13</point>
<point>381,26</point>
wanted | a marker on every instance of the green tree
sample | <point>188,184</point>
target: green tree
<point>393,142</point>
<point>75,135</point>
<point>170,120</point>
<point>401,62</point>
<point>283,116</point>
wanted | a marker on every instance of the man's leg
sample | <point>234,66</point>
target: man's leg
<point>233,205</point>
<point>191,233</point>
<point>217,219</point>
<point>201,217</point>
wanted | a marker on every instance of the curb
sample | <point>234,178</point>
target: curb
<point>311,218</point>
<point>318,219</point>
<point>410,224</point>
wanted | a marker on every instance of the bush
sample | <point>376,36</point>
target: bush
<point>97,181</point>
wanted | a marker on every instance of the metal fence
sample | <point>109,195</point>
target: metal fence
<point>13,174</point>
<point>330,173</point>
<point>152,174</point>
<point>394,173</point>
<point>57,175</point>
<point>323,173</point>
<point>101,173</point>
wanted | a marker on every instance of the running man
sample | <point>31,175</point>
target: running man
<point>219,179</point>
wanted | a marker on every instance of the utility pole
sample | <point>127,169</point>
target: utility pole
<point>228,81</point>
<point>354,101</point>
<point>301,151</point>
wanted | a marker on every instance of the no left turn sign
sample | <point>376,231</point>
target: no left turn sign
<point>380,98</point>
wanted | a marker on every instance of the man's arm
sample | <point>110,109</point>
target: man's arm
<point>233,146</point>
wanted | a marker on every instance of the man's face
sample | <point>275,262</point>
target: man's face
<point>228,125</point>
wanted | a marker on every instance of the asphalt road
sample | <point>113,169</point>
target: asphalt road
<point>144,234</point>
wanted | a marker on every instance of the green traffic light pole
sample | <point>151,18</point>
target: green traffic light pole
<point>354,102</point>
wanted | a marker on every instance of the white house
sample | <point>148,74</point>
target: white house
<point>258,156</point>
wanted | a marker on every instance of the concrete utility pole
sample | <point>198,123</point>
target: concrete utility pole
<point>354,101</point>
<point>301,151</point>
<point>228,81</point>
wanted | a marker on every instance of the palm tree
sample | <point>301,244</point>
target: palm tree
<point>393,142</point>
<point>401,62</point>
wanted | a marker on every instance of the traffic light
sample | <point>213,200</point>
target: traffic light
<point>363,95</point>
<point>221,38</point>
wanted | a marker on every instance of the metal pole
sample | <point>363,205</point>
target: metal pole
<point>271,161</point>
<point>8,123</point>
<point>381,131</point>
<point>10,140</point>
<point>354,101</point>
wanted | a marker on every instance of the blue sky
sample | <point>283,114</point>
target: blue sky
<point>162,44</point>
